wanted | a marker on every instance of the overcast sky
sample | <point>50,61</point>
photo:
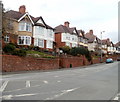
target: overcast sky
<point>99,15</point>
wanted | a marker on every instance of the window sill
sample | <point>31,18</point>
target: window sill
<point>26,31</point>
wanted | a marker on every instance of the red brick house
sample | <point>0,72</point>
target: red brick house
<point>21,28</point>
<point>66,36</point>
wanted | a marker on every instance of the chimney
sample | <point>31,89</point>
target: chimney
<point>66,24</point>
<point>91,32</point>
<point>108,39</point>
<point>22,9</point>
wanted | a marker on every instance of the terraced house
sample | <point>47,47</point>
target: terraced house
<point>66,36</point>
<point>21,28</point>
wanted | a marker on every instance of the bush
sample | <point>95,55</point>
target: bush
<point>66,49</point>
<point>81,51</point>
<point>9,48</point>
<point>19,52</point>
<point>36,48</point>
<point>78,50</point>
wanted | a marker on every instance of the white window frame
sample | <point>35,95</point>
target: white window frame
<point>6,39</point>
<point>25,26</point>
<point>67,44</point>
<point>49,44</point>
<point>39,42</point>
<point>26,40</point>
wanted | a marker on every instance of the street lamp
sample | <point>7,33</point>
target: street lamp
<point>101,46</point>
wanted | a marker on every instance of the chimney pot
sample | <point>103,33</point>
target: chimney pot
<point>22,9</point>
<point>91,31</point>
<point>66,24</point>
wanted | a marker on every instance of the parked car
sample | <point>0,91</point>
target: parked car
<point>118,59</point>
<point>109,60</point>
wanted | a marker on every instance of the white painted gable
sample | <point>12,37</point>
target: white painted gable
<point>40,21</point>
<point>74,31</point>
<point>95,39</point>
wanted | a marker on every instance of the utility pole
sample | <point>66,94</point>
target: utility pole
<point>101,46</point>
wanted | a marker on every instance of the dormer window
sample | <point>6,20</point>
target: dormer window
<point>25,26</point>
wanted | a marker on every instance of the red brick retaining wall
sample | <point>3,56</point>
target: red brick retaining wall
<point>67,62</point>
<point>15,63</point>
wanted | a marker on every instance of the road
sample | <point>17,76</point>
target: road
<point>94,82</point>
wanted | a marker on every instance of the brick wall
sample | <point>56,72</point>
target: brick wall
<point>15,63</point>
<point>58,40</point>
<point>67,62</point>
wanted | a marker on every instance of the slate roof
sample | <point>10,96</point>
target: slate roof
<point>17,15</point>
<point>90,37</point>
<point>117,44</point>
<point>13,14</point>
<point>64,29</point>
<point>106,41</point>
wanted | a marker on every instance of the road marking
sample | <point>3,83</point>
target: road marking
<point>23,88</point>
<point>58,81</point>
<point>117,97</point>
<point>56,76</point>
<point>3,86</point>
<point>46,82</point>
<point>62,93</point>
<point>7,97</point>
<point>27,83</point>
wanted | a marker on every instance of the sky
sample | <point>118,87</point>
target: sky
<point>98,15</point>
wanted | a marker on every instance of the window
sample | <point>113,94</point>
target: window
<point>25,26</point>
<point>6,39</point>
<point>39,42</point>
<point>73,39</point>
<point>49,32</point>
<point>67,44</point>
<point>24,40</point>
<point>49,44</point>
<point>28,27</point>
<point>39,30</point>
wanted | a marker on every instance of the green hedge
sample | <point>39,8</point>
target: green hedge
<point>9,48</point>
<point>19,52</point>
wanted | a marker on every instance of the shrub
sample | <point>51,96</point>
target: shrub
<point>19,52</point>
<point>9,48</point>
<point>77,50</point>
<point>66,49</point>
<point>36,48</point>
<point>81,51</point>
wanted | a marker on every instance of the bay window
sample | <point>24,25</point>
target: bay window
<point>39,42</point>
<point>49,44</point>
<point>24,40</point>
